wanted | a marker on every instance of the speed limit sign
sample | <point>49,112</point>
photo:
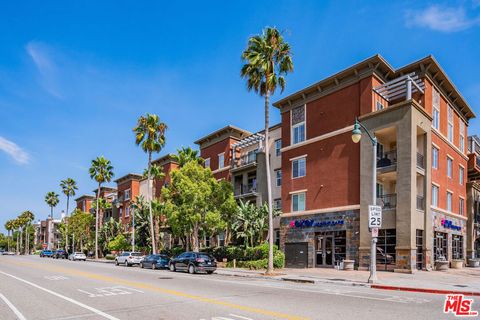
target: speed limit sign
<point>374,216</point>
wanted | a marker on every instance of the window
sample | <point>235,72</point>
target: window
<point>460,175</point>
<point>252,156</point>
<point>436,109</point>
<point>221,160</point>
<point>462,136</point>
<point>127,212</point>
<point>83,205</point>
<point>207,163</point>
<point>277,204</point>
<point>457,246</point>
<point>434,196</point>
<point>299,168</point>
<point>449,167</point>
<point>434,158</point>
<point>120,212</point>
<point>461,206</point>
<point>450,124</point>
<point>440,246</point>
<point>419,243</point>
<point>127,194</point>
<point>298,124</point>
<point>278,147</point>
<point>298,201</point>
<point>449,201</point>
<point>278,177</point>
<point>386,253</point>
<point>221,239</point>
<point>379,105</point>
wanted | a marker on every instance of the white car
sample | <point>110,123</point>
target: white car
<point>77,256</point>
<point>129,258</point>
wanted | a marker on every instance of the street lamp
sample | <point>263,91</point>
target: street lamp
<point>356,136</point>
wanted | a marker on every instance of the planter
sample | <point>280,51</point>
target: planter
<point>474,263</point>
<point>441,265</point>
<point>457,264</point>
<point>348,264</point>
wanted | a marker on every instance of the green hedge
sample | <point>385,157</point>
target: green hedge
<point>257,258</point>
<point>110,257</point>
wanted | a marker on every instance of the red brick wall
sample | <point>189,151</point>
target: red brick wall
<point>213,151</point>
<point>134,186</point>
<point>159,183</point>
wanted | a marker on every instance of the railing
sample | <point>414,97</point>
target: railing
<point>244,160</point>
<point>387,159</point>
<point>420,161</point>
<point>421,203</point>
<point>388,201</point>
<point>245,189</point>
<point>477,161</point>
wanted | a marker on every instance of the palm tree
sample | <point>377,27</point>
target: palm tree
<point>101,171</point>
<point>186,155</point>
<point>267,60</point>
<point>150,135</point>
<point>26,219</point>
<point>68,188</point>
<point>51,198</point>
<point>9,226</point>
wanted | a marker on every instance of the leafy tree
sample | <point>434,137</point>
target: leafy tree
<point>9,226</point>
<point>142,233</point>
<point>51,198</point>
<point>150,135</point>
<point>101,171</point>
<point>267,60</point>
<point>80,223</point>
<point>185,155</point>
<point>119,243</point>
<point>69,186</point>
<point>26,219</point>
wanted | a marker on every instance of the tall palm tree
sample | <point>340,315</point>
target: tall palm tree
<point>68,188</point>
<point>267,60</point>
<point>51,198</point>
<point>185,155</point>
<point>26,218</point>
<point>9,226</point>
<point>150,135</point>
<point>101,171</point>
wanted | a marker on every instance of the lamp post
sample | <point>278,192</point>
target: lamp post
<point>356,136</point>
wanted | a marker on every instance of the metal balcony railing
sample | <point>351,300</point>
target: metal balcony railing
<point>420,161</point>
<point>387,201</point>
<point>245,160</point>
<point>477,161</point>
<point>244,189</point>
<point>387,159</point>
<point>421,203</point>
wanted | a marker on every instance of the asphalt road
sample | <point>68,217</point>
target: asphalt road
<point>43,288</point>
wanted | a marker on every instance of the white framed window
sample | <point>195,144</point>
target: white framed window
<point>436,109</point>
<point>434,158</point>
<point>120,212</point>
<point>461,141</point>
<point>450,124</point>
<point>435,195</point>
<point>379,105</point>
<point>83,205</point>
<point>127,212</point>
<point>449,167</point>
<point>298,124</point>
<point>298,201</point>
<point>461,205</point>
<point>207,163</point>
<point>127,194</point>
<point>221,160</point>
<point>299,168</point>
<point>449,201</point>
<point>461,172</point>
<point>278,147</point>
<point>278,177</point>
<point>277,204</point>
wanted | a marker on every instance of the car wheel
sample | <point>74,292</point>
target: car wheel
<point>116,262</point>
<point>209,272</point>
<point>191,269</point>
<point>126,263</point>
<point>141,265</point>
<point>172,267</point>
<point>154,266</point>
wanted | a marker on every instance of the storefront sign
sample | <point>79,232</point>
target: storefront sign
<point>308,223</point>
<point>449,225</point>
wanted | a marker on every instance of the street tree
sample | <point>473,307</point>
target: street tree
<point>69,186</point>
<point>185,155</point>
<point>51,198</point>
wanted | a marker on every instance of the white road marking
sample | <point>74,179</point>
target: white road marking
<point>12,307</point>
<point>55,278</point>
<point>110,291</point>
<point>240,317</point>
<point>78,303</point>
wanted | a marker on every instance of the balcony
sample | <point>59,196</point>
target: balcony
<point>387,159</point>
<point>420,161</point>
<point>245,190</point>
<point>421,203</point>
<point>387,201</point>
<point>245,160</point>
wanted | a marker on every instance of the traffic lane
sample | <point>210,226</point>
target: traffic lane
<point>130,302</point>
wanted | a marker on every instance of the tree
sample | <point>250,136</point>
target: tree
<point>142,224</point>
<point>119,243</point>
<point>51,198</point>
<point>26,219</point>
<point>80,223</point>
<point>267,60</point>
<point>150,135</point>
<point>69,186</point>
<point>9,226</point>
<point>101,171</point>
<point>185,155</point>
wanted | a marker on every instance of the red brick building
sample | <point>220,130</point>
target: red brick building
<point>128,188</point>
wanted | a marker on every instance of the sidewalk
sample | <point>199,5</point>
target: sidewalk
<point>466,281</point>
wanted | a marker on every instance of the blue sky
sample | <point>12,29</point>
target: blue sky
<point>75,77</point>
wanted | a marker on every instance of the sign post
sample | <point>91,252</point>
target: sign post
<point>374,222</point>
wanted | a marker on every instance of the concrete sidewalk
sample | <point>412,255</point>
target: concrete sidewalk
<point>466,281</point>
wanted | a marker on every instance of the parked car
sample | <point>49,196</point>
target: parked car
<point>129,258</point>
<point>60,254</point>
<point>8,253</point>
<point>155,261</point>
<point>46,253</point>
<point>194,262</point>
<point>77,256</point>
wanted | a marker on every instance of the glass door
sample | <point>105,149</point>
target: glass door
<point>325,251</point>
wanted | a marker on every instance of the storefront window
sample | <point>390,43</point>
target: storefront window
<point>419,240</point>
<point>387,240</point>
<point>340,241</point>
<point>440,246</point>
<point>457,247</point>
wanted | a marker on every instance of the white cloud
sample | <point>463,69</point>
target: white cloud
<point>444,19</point>
<point>14,151</point>
<point>39,53</point>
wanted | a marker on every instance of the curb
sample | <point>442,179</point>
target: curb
<point>101,261</point>
<point>424,290</point>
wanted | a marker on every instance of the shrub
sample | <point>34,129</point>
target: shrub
<point>255,258</point>
<point>110,257</point>
<point>119,243</point>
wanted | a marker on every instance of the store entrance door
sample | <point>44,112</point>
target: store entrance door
<point>324,251</point>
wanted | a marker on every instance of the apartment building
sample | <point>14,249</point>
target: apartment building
<point>110,195</point>
<point>128,188</point>
<point>473,198</point>
<point>47,233</point>
<point>420,121</point>
<point>84,202</point>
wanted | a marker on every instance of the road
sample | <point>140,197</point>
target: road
<point>42,288</point>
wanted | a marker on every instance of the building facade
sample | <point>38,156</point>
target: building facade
<point>473,199</point>
<point>128,188</point>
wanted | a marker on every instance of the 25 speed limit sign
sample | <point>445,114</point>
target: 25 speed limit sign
<point>374,216</point>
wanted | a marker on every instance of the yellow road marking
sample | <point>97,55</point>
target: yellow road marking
<point>176,293</point>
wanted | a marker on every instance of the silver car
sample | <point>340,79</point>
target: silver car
<point>129,258</point>
<point>77,256</point>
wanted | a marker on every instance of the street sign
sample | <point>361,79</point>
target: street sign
<point>44,246</point>
<point>374,216</point>
<point>375,232</point>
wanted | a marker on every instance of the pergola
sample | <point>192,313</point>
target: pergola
<point>400,87</point>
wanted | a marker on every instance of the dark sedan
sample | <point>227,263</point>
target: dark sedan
<point>60,254</point>
<point>155,261</point>
<point>194,262</point>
